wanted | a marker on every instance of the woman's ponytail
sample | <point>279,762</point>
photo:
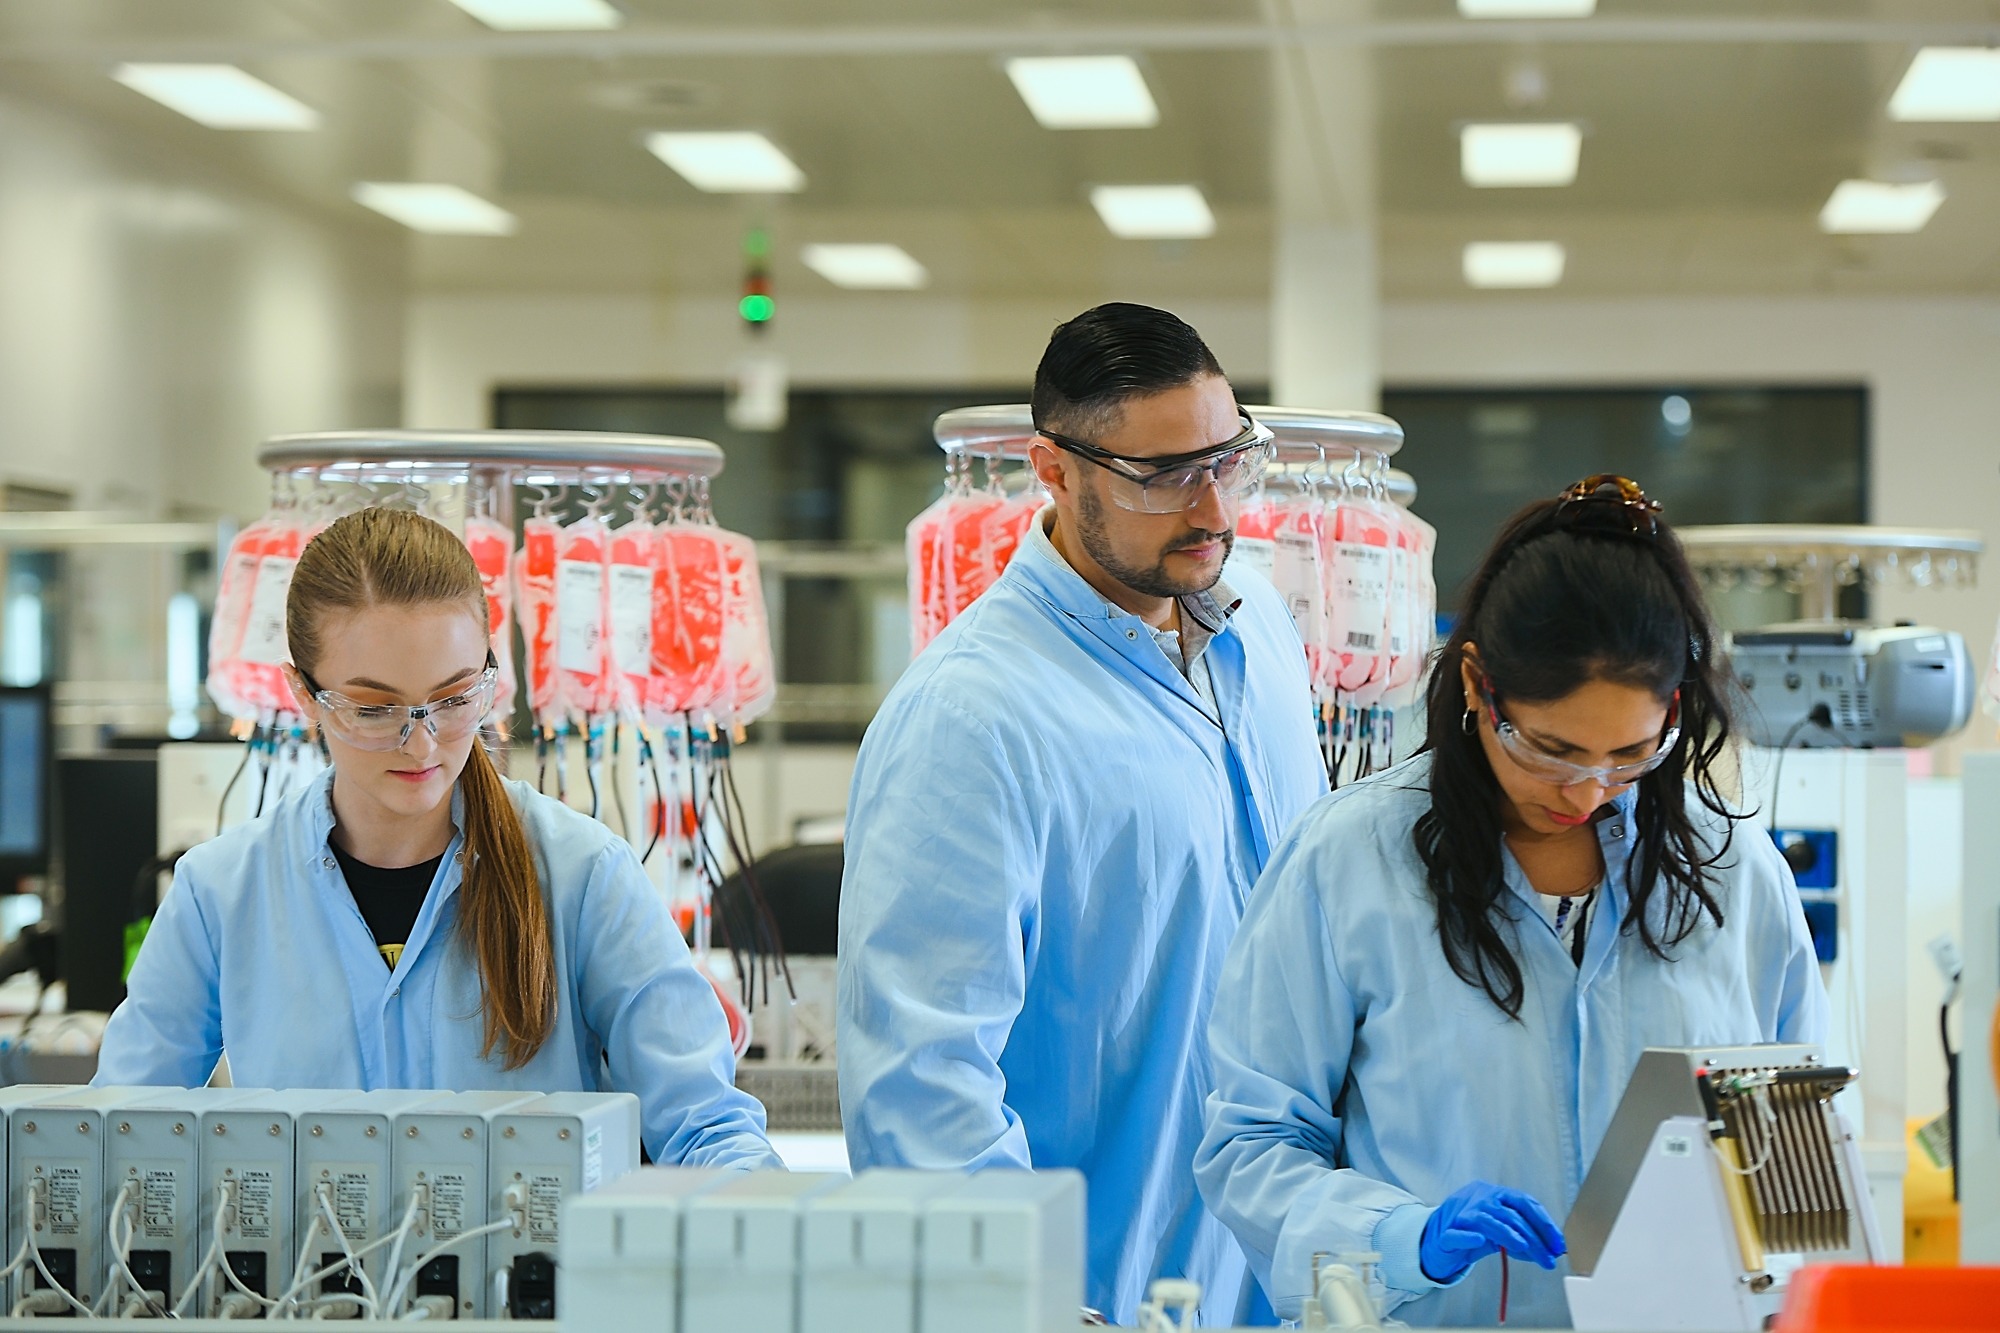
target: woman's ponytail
<point>391,557</point>
<point>503,919</point>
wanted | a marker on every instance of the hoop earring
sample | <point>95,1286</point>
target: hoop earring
<point>1469,723</point>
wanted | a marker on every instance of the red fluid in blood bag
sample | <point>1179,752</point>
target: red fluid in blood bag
<point>924,547</point>
<point>252,675</point>
<point>535,599</point>
<point>971,559</point>
<point>492,547</point>
<point>687,668</point>
<point>746,634</point>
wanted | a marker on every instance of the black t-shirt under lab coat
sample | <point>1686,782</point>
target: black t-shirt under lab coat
<point>389,899</point>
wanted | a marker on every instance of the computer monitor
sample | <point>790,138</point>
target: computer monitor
<point>25,769</point>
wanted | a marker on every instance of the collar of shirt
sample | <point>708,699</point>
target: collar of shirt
<point>323,821</point>
<point>1615,835</point>
<point>1203,614</point>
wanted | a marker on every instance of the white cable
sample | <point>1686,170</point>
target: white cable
<point>367,1297</point>
<point>304,1264</point>
<point>339,1265</point>
<point>227,1270</point>
<point>35,1253</point>
<point>121,1258</point>
<point>207,1265</point>
<point>419,1195</point>
<point>418,1264</point>
<point>20,1257</point>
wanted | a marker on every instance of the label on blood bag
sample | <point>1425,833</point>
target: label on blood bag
<point>448,1190</point>
<point>1400,596</point>
<point>159,1200</point>
<point>253,1205</point>
<point>580,616</point>
<point>264,639</point>
<point>1295,574</point>
<point>632,618</point>
<point>545,1196</point>
<point>1258,553</point>
<point>65,1199</point>
<point>1359,601</point>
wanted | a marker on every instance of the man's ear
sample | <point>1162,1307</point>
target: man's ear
<point>1047,463</point>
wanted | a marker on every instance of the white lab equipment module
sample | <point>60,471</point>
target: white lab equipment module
<point>55,1193</point>
<point>439,1159</point>
<point>340,1197</point>
<point>13,1099</point>
<point>1979,1048</point>
<point>859,1252</point>
<point>1863,797</point>
<point>246,1198</point>
<point>741,1252</point>
<point>1723,1171</point>
<point>566,1143</point>
<point>152,1193</point>
<point>1004,1252</point>
<point>621,1249</point>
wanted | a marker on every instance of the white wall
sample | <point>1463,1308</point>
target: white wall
<point>157,322</point>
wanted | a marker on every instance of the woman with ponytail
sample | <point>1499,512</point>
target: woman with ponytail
<point>412,919</point>
<point>1448,972</point>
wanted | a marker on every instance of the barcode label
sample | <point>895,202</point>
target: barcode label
<point>1356,639</point>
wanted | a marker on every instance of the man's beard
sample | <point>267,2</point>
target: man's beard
<point>1153,581</point>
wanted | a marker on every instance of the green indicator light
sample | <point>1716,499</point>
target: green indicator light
<point>757,243</point>
<point>756,308</point>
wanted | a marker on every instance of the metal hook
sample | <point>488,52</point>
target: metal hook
<point>544,497</point>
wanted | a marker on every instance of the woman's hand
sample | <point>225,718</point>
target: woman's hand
<point>1483,1219</point>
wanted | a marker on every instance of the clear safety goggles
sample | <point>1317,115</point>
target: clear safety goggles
<point>1545,767</point>
<point>383,727</point>
<point>1174,484</point>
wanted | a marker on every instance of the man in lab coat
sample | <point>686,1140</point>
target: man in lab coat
<point>1061,808</point>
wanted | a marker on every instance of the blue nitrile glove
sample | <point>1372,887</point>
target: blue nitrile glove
<point>1483,1219</point>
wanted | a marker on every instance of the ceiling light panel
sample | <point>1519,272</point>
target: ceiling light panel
<point>867,267</point>
<point>727,161</point>
<point>440,210</point>
<point>1949,83</point>
<point>1514,263</point>
<point>1084,92</point>
<point>1527,9</point>
<point>543,15</point>
<point>221,97</point>
<point>1864,207</point>
<point>1519,155</point>
<point>1153,212</point>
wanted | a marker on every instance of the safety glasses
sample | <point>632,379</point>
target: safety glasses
<point>383,727</point>
<point>1176,483</point>
<point>1544,767</point>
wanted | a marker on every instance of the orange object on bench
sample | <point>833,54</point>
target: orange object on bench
<point>1857,1298</point>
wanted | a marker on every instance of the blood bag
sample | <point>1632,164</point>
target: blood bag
<point>746,633</point>
<point>629,599</point>
<point>492,547</point>
<point>535,600</point>
<point>582,651</point>
<point>686,645</point>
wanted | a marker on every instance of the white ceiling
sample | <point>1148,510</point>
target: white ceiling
<point>1715,131</point>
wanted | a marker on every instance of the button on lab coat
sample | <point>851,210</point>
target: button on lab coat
<point>1049,844</point>
<point>1359,1081</point>
<point>259,949</point>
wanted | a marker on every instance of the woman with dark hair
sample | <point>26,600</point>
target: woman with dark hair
<point>1448,972</point>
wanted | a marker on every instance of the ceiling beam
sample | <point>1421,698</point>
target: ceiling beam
<point>771,42</point>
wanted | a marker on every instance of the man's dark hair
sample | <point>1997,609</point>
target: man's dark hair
<point>1109,354</point>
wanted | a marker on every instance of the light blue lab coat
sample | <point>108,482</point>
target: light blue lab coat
<point>1359,1081</point>
<point>259,949</point>
<point>1049,845</point>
